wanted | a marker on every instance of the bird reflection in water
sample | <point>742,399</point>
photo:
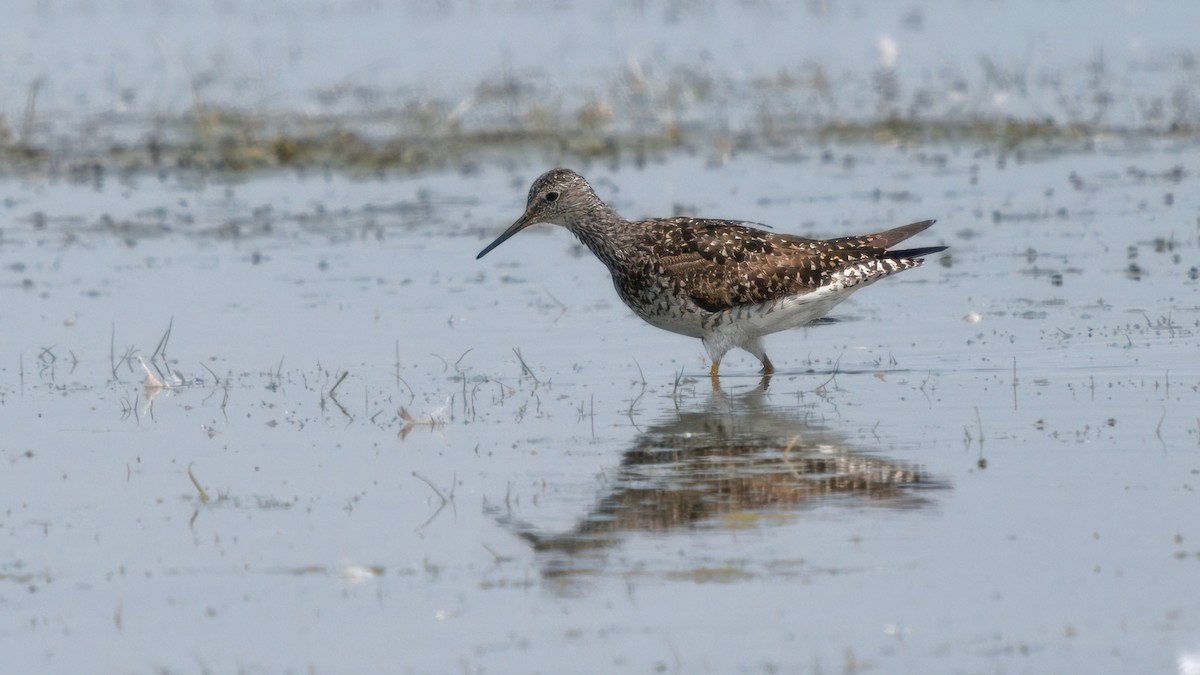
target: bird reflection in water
<point>729,460</point>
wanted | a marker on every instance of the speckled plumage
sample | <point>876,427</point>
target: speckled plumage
<point>723,281</point>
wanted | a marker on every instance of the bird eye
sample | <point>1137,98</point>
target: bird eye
<point>551,196</point>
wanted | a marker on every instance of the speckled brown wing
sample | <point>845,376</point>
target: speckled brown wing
<point>723,264</point>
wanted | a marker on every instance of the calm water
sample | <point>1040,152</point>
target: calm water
<point>375,453</point>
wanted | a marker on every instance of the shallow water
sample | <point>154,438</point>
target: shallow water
<point>362,450</point>
<point>917,487</point>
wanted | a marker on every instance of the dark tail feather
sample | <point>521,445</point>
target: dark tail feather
<point>889,238</point>
<point>909,253</point>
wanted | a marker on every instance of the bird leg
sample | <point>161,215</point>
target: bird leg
<point>755,347</point>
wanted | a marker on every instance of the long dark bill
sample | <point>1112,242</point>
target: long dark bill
<point>523,222</point>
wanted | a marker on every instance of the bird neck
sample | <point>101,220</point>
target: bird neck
<point>599,227</point>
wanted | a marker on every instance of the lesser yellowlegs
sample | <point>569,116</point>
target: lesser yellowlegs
<point>725,282</point>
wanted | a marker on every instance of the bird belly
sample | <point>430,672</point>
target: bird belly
<point>739,324</point>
